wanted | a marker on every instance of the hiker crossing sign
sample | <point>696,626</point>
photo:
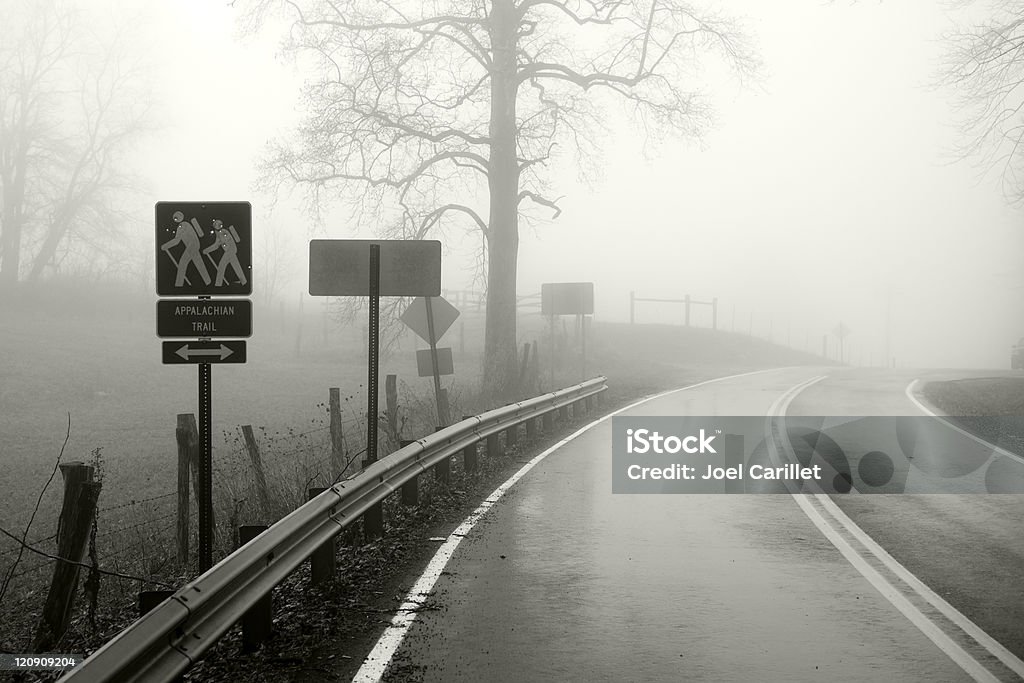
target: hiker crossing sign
<point>203,248</point>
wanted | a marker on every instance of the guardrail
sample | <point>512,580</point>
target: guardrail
<point>170,638</point>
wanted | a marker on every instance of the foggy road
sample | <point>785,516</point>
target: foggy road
<point>562,580</point>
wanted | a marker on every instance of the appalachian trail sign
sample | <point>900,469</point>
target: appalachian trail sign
<point>204,250</point>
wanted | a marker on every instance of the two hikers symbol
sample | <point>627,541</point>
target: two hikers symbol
<point>189,233</point>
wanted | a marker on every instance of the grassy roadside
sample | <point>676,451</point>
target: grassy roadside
<point>992,408</point>
<point>123,401</point>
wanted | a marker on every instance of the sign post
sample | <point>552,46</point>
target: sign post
<point>374,268</point>
<point>190,235</point>
<point>568,298</point>
<point>206,468</point>
<point>430,317</point>
<point>374,356</point>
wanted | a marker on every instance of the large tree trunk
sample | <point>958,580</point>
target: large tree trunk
<point>503,224</point>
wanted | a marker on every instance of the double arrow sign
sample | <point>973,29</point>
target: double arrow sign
<point>176,353</point>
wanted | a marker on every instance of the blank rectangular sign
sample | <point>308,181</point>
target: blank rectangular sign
<point>445,365</point>
<point>567,298</point>
<point>407,267</point>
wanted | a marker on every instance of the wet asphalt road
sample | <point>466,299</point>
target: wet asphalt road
<point>562,580</point>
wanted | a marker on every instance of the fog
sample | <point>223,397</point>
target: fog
<point>827,191</point>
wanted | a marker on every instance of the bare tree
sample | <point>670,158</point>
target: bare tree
<point>30,64</point>
<point>276,259</point>
<point>445,114</point>
<point>70,106</point>
<point>985,67</point>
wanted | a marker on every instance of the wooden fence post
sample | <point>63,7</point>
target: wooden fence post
<point>74,525</point>
<point>337,438</point>
<point>257,621</point>
<point>524,370</point>
<point>322,561</point>
<point>493,447</point>
<point>186,445</point>
<point>535,368</point>
<point>511,435</point>
<point>531,428</point>
<point>193,436</point>
<point>257,467</point>
<point>391,403</point>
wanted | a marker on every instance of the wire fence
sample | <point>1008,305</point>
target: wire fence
<point>134,543</point>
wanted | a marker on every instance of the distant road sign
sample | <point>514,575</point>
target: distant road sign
<point>203,248</point>
<point>192,352</point>
<point>445,364</point>
<point>204,318</point>
<point>567,298</point>
<point>415,316</point>
<point>342,267</point>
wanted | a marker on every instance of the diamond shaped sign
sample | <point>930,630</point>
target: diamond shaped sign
<point>416,317</point>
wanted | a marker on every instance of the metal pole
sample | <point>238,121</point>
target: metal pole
<point>205,470</point>
<point>373,346</point>
<point>373,518</point>
<point>442,409</point>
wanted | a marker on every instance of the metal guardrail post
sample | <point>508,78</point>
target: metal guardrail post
<point>410,489</point>
<point>733,457</point>
<point>443,469</point>
<point>469,459</point>
<point>511,435</point>
<point>373,523</point>
<point>548,421</point>
<point>322,563</point>
<point>563,413</point>
<point>493,447</point>
<point>257,622</point>
<point>150,599</point>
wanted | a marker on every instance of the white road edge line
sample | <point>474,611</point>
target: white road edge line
<point>909,391</point>
<point>934,633</point>
<point>377,662</point>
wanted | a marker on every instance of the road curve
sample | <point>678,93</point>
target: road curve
<point>562,580</point>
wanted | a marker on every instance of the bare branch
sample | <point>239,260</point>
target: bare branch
<point>543,201</point>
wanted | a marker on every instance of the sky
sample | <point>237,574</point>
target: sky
<point>826,193</point>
